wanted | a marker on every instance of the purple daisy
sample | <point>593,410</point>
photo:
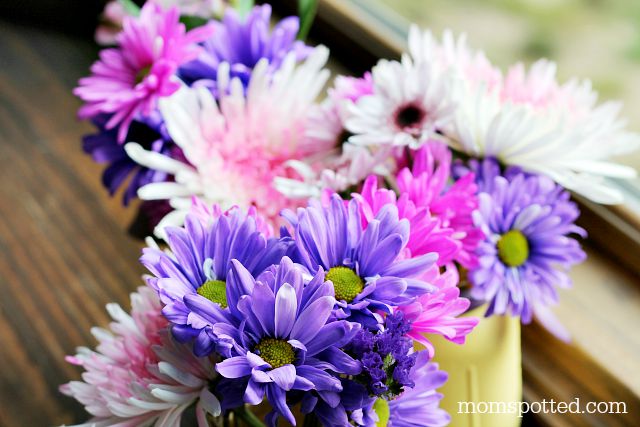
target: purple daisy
<point>127,81</point>
<point>361,260</point>
<point>103,146</point>
<point>529,225</point>
<point>286,342</point>
<point>241,43</point>
<point>196,271</point>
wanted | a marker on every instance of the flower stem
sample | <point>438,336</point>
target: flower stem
<point>248,417</point>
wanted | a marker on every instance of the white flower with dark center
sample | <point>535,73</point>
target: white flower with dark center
<point>411,101</point>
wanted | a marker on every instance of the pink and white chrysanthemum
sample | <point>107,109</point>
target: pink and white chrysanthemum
<point>237,146</point>
<point>138,375</point>
<point>339,164</point>
<point>438,313</point>
<point>428,185</point>
<point>128,80</point>
<point>411,100</point>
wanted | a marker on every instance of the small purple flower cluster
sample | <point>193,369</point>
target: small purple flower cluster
<point>386,356</point>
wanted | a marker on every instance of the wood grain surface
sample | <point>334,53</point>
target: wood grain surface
<point>65,253</point>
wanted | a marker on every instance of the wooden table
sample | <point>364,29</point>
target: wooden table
<point>65,253</point>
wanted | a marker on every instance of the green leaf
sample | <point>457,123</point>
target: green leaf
<point>242,6</point>
<point>130,7</point>
<point>307,12</point>
<point>191,22</point>
<point>248,417</point>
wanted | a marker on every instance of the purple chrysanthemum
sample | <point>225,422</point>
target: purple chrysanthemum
<point>287,340</point>
<point>127,81</point>
<point>529,224</point>
<point>360,260</point>
<point>195,273</point>
<point>103,146</point>
<point>241,43</point>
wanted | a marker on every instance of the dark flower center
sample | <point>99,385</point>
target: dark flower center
<point>409,116</point>
<point>144,72</point>
<point>214,290</point>
<point>276,352</point>
<point>342,138</point>
<point>346,283</point>
<point>513,248</point>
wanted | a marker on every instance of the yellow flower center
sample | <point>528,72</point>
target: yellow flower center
<point>346,283</point>
<point>276,352</point>
<point>513,248</point>
<point>214,290</point>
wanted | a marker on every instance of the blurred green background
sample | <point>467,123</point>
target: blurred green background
<point>594,39</point>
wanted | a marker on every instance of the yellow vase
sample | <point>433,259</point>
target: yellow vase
<point>487,368</point>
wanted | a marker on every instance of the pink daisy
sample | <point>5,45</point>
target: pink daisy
<point>129,79</point>
<point>426,231</point>
<point>428,186</point>
<point>437,313</point>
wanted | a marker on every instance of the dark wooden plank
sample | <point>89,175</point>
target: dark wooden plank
<point>64,251</point>
<point>563,372</point>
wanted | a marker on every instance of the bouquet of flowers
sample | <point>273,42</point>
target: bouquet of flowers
<point>309,246</point>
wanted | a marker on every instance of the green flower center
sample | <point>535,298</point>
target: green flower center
<point>144,72</point>
<point>346,283</point>
<point>513,248</point>
<point>381,408</point>
<point>214,290</point>
<point>276,352</point>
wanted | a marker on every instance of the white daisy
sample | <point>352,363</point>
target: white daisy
<point>562,134</point>
<point>411,100</point>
